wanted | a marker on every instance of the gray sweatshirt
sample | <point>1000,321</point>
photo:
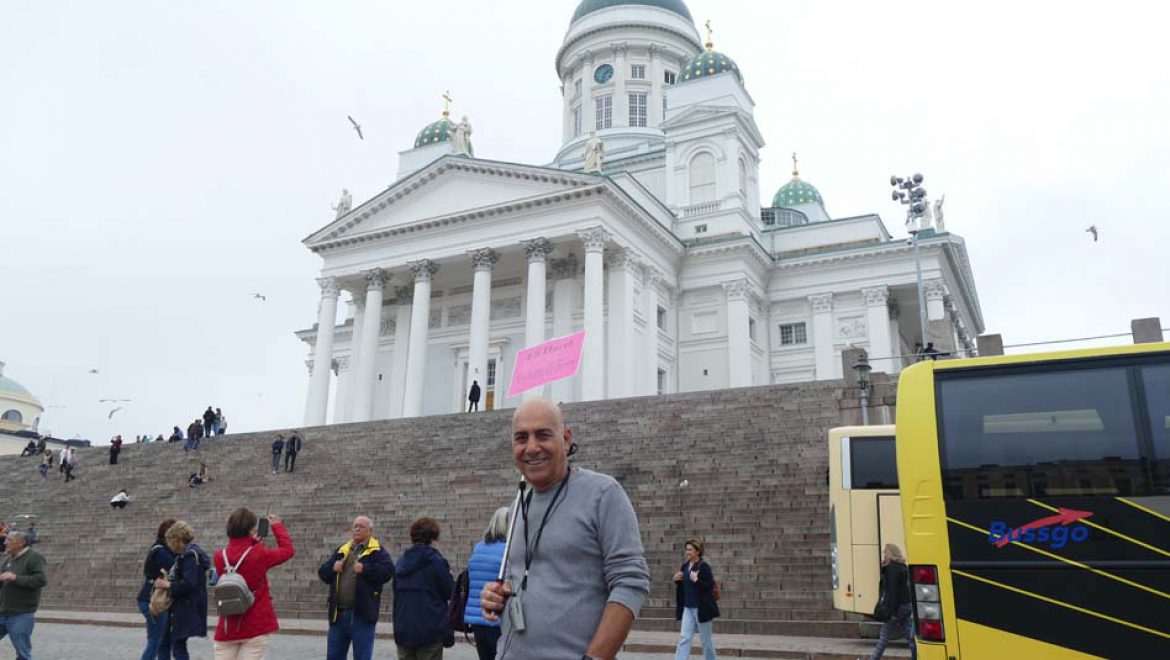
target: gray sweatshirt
<point>590,554</point>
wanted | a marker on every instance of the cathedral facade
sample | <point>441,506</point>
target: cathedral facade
<point>646,231</point>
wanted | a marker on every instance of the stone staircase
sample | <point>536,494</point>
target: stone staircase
<point>754,461</point>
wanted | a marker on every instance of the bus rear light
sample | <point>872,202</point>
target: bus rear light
<point>928,602</point>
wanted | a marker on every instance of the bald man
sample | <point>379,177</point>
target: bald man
<point>576,568</point>
<point>356,574</point>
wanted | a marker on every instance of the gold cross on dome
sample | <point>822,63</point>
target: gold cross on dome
<point>710,41</point>
<point>447,103</point>
<point>795,171</point>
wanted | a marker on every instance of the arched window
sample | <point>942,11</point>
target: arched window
<point>702,171</point>
<point>743,182</point>
<point>12,416</point>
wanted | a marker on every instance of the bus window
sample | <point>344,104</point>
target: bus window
<point>873,463</point>
<point>1057,433</point>
<point>1157,385</point>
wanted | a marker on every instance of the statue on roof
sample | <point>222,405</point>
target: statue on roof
<point>461,138</point>
<point>344,203</point>
<point>594,153</point>
<point>939,225</point>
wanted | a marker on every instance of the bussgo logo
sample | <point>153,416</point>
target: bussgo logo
<point>1055,531</point>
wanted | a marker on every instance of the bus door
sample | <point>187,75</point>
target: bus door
<point>876,516</point>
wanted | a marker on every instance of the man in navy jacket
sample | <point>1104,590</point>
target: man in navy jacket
<point>355,574</point>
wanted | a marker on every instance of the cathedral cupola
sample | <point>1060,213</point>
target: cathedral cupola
<point>710,62</point>
<point>439,131</point>
<point>590,6</point>
<point>800,195</point>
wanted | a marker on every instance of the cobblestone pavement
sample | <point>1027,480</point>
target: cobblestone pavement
<point>69,642</point>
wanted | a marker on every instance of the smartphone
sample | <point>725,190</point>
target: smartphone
<point>262,532</point>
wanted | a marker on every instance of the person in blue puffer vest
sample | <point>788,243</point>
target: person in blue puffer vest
<point>484,567</point>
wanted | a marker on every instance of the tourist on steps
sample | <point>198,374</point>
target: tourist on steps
<point>22,576</point>
<point>584,541</point>
<point>120,500</point>
<point>245,637</point>
<point>69,463</point>
<point>115,449</point>
<point>894,588</point>
<point>473,397</point>
<point>187,581</point>
<point>422,589</point>
<point>291,449</point>
<point>46,463</point>
<point>159,560</point>
<point>209,422</point>
<point>277,449</point>
<point>482,568</point>
<point>356,574</point>
<point>694,601</point>
<point>200,477</point>
<point>220,422</point>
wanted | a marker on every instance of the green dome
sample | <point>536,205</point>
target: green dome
<point>590,6</point>
<point>439,131</point>
<point>795,193</point>
<point>710,63</point>
<point>9,386</point>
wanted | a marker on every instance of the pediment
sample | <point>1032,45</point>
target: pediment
<point>450,185</point>
<point>699,113</point>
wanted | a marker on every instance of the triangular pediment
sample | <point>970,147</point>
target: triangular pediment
<point>451,184</point>
<point>699,113</point>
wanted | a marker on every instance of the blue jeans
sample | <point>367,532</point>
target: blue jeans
<point>18,628</point>
<point>690,623</point>
<point>158,634</point>
<point>904,619</point>
<point>349,629</point>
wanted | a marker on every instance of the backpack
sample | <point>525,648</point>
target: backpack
<point>458,604</point>
<point>232,595</point>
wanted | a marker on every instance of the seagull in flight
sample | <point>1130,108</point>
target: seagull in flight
<point>1093,230</point>
<point>111,415</point>
<point>93,371</point>
<point>357,127</point>
<point>258,296</point>
<point>114,400</point>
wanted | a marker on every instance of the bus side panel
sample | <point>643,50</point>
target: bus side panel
<point>840,520</point>
<point>866,573</point>
<point>890,527</point>
<point>983,643</point>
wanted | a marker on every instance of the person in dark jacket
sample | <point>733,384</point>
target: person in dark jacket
<point>894,586</point>
<point>159,560</point>
<point>187,581</point>
<point>695,601</point>
<point>355,574</point>
<point>422,587</point>
<point>209,421</point>
<point>482,568</point>
<point>473,397</point>
<point>277,450</point>
<point>291,449</point>
<point>115,449</point>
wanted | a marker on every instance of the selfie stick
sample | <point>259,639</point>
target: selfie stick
<point>511,530</point>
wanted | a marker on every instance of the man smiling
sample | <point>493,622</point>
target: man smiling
<point>577,571</point>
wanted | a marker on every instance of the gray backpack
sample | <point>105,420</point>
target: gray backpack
<point>232,595</point>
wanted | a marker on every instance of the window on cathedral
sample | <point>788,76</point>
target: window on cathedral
<point>638,71</point>
<point>603,112</point>
<point>792,334</point>
<point>638,110</point>
<point>702,171</point>
<point>661,318</point>
<point>661,381</point>
<point>742,177</point>
<point>752,329</point>
<point>491,377</point>
<point>13,416</point>
<point>700,229</point>
<point>669,77</point>
<point>576,121</point>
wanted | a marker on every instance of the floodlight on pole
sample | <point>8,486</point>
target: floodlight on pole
<point>912,195</point>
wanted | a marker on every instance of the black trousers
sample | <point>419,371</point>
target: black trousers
<point>473,405</point>
<point>486,639</point>
<point>290,462</point>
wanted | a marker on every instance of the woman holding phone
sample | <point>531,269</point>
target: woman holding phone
<point>245,637</point>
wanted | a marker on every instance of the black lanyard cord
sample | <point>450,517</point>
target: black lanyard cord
<point>530,553</point>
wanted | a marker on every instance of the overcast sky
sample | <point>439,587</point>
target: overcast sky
<point>161,162</point>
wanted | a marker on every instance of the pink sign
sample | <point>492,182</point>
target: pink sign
<point>544,363</point>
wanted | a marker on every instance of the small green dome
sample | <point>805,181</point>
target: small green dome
<point>796,192</point>
<point>439,131</point>
<point>590,6</point>
<point>9,386</point>
<point>709,63</point>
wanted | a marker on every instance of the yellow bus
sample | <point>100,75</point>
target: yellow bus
<point>864,513</point>
<point>1036,495</point>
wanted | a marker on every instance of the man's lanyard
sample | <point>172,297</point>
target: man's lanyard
<point>529,554</point>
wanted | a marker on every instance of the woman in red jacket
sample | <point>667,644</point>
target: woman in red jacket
<point>245,636</point>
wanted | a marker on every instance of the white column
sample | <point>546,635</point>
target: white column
<point>345,393</point>
<point>651,276</point>
<point>877,320</point>
<point>363,408</point>
<point>564,275</point>
<point>537,251</point>
<point>657,90</point>
<point>593,359</point>
<point>588,117</point>
<point>826,363</point>
<point>323,353</point>
<point>420,320</point>
<point>739,341</point>
<point>482,262</point>
<point>935,292</point>
<point>403,297</point>
<point>620,364</point>
<point>344,378</point>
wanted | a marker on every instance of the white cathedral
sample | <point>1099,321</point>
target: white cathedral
<point>646,231</point>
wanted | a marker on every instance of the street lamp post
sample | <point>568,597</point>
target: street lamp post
<point>863,368</point>
<point>909,191</point>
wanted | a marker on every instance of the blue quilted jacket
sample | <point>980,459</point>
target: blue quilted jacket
<point>483,567</point>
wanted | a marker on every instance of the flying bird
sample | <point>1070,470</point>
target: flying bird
<point>1093,230</point>
<point>357,127</point>
<point>93,371</point>
<point>111,415</point>
<point>258,296</point>
<point>114,400</point>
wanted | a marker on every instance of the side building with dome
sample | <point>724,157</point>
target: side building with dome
<point>646,230</point>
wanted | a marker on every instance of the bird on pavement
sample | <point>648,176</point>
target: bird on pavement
<point>1093,230</point>
<point>357,127</point>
